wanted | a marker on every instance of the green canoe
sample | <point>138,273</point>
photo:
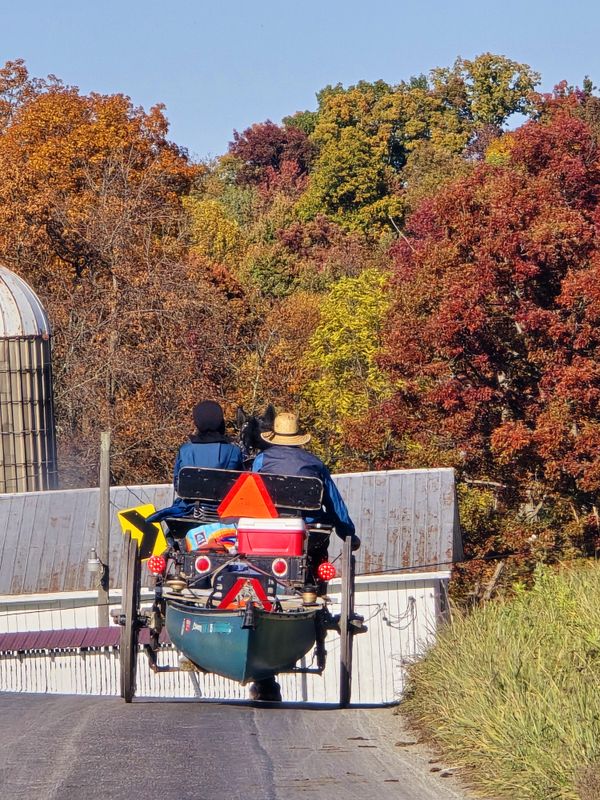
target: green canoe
<point>216,641</point>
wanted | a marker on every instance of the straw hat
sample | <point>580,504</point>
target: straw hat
<point>286,431</point>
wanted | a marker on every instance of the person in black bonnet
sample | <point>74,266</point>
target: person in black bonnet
<point>207,446</point>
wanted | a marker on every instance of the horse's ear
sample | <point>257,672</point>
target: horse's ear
<point>240,417</point>
<point>269,415</point>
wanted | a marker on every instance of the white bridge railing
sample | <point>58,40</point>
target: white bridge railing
<point>402,613</point>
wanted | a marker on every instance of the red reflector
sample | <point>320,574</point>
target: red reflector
<point>326,571</point>
<point>279,567</point>
<point>203,564</point>
<point>156,565</point>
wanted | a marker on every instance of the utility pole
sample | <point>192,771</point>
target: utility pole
<point>104,529</point>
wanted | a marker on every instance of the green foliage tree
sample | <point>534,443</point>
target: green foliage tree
<point>304,120</point>
<point>365,135</point>
<point>271,271</point>
<point>351,184</point>
<point>493,87</point>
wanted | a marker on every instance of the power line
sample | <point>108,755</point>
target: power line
<point>388,569</point>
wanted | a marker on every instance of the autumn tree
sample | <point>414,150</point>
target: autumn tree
<point>266,149</point>
<point>490,87</point>
<point>273,368</point>
<point>347,381</point>
<point>91,215</point>
<point>215,234</point>
<point>365,136</point>
<point>351,180</point>
<point>17,87</point>
<point>491,340</point>
<point>241,278</point>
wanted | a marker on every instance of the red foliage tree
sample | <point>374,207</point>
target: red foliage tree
<point>494,340</point>
<point>266,149</point>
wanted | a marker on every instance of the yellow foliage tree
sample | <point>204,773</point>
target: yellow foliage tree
<point>215,235</point>
<point>342,351</point>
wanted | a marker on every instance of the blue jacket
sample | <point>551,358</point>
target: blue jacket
<point>285,460</point>
<point>215,455</point>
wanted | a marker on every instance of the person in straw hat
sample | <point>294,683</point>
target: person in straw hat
<point>286,456</point>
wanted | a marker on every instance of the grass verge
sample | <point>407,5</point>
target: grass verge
<point>511,691</point>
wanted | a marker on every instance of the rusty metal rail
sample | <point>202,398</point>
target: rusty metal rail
<point>73,639</point>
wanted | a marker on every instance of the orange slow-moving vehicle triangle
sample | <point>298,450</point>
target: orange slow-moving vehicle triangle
<point>248,497</point>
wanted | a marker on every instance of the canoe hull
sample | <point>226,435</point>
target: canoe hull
<point>216,642</point>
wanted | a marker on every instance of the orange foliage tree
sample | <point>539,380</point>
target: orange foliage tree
<point>91,215</point>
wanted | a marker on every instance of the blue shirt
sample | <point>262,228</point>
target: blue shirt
<point>285,460</point>
<point>213,455</point>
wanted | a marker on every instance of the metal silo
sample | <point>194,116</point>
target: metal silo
<point>28,446</point>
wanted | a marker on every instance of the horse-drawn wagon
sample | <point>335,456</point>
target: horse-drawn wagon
<point>240,588</point>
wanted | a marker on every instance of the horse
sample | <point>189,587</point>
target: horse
<point>250,426</point>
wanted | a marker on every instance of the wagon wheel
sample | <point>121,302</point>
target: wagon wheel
<point>348,565</point>
<point>128,645</point>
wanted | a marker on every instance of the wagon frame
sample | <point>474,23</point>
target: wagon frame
<point>293,496</point>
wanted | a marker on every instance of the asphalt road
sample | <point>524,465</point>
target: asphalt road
<point>80,748</point>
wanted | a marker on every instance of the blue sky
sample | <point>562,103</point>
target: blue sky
<point>223,66</point>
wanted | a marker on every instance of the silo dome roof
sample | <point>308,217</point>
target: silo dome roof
<point>21,312</point>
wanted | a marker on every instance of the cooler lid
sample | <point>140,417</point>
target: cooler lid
<point>281,524</point>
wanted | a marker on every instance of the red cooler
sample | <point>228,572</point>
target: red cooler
<point>272,537</point>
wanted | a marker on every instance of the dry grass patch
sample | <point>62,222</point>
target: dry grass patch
<point>511,692</point>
